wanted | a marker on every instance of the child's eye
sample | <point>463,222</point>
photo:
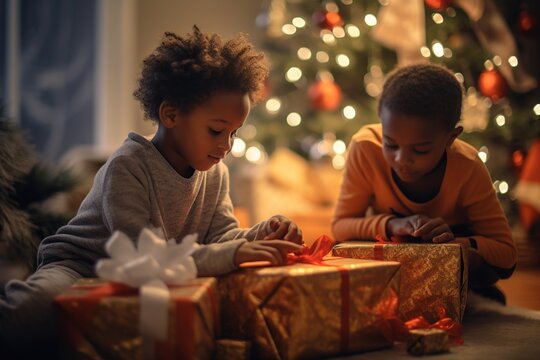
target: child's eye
<point>421,152</point>
<point>390,146</point>
<point>214,132</point>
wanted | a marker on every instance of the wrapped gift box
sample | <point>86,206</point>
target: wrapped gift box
<point>310,311</point>
<point>433,276</point>
<point>100,323</point>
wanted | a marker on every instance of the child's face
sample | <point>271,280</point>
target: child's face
<point>202,138</point>
<point>413,146</point>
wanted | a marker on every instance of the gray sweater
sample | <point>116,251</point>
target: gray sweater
<point>138,188</point>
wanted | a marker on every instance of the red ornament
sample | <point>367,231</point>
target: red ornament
<point>517,159</point>
<point>327,19</point>
<point>492,85</point>
<point>325,95</point>
<point>527,22</point>
<point>438,4</point>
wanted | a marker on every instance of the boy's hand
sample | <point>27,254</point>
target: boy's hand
<point>420,226</point>
<point>266,250</point>
<point>284,228</point>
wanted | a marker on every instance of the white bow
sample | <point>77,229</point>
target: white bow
<point>151,266</point>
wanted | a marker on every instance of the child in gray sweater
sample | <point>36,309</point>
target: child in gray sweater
<point>198,90</point>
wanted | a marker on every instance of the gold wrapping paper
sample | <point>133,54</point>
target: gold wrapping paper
<point>295,311</point>
<point>107,327</point>
<point>227,349</point>
<point>432,275</point>
<point>428,341</point>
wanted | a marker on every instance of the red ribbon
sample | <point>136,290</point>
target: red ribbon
<point>453,328</point>
<point>84,309</point>
<point>314,254</point>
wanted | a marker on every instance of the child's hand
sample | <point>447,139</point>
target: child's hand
<point>284,228</point>
<point>266,250</point>
<point>420,226</point>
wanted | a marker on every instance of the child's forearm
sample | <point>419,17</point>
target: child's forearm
<point>216,259</point>
<point>368,227</point>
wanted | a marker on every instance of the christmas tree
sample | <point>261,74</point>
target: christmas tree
<point>329,60</point>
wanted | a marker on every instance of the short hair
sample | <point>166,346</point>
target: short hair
<point>185,71</point>
<point>425,90</point>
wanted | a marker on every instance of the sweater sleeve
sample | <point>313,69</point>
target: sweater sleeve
<point>355,197</point>
<point>491,233</point>
<point>224,236</point>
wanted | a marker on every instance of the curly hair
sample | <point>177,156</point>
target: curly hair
<point>428,91</point>
<point>185,71</point>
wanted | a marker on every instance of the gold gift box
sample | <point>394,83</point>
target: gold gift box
<point>98,325</point>
<point>433,276</point>
<point>310,311</point>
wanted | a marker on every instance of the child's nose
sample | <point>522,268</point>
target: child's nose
<point>226,144</point>
<point>402,157</point>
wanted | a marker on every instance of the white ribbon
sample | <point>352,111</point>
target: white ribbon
<point>153,265</point>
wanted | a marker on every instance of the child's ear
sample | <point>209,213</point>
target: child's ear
<point>454,134</point>
<point>167,114</point>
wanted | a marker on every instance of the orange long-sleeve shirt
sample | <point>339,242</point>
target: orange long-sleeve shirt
<point>466,198</point>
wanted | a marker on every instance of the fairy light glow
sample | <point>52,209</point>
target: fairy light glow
<point>339,147</point>
<point>247,132</point>
<point>497,60</point>
<point>338,32</point>
<point>370,20</point>
<point>488,65</point>
<point>459,76</point>
<point>253,154</point>
<point>293,74</point>
<point>299,22</point>
<point>536,109</point>
<point>238,148</point>
<point>343,60</point>
<point>294,119</point>
<point>500,120</point>
<point>304,53</point>
<point>503,187</point>
<point>352,30</point>
<point>327,37</point>
<point>438,49</point>
<point>513,61</point>
<point>273,105</point>
<point>322,56</point>
<point>483,154</point>
<point>349,112</point>
<point>424,50</point>
<point>447,53</point>
<point>338,162</point>
<point>437,18</point>
<point>288,29</point>
<point>331,7</point>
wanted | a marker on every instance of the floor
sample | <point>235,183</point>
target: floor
<point>523,288</point>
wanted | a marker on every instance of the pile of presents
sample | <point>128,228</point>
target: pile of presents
<point>361,296</point>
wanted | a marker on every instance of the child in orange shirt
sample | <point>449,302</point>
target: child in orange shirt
<point>423,183</point>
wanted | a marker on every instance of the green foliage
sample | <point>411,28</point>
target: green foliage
<point>24,185</point>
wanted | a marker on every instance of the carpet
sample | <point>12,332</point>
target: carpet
<point>491,331</point>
